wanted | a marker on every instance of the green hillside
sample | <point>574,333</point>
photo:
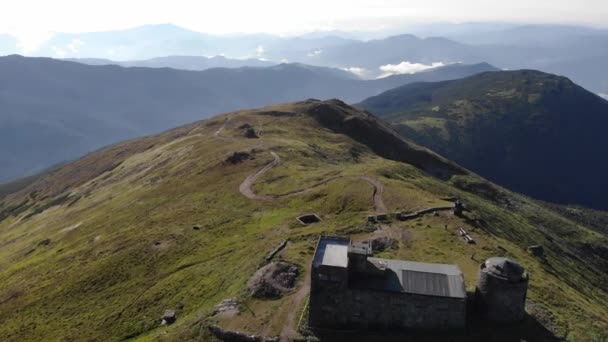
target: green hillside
<point>532,132</point>
<point>98,249</point>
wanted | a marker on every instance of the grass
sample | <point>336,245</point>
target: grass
<point>135,253</point>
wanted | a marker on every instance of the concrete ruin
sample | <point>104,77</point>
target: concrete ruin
<point>351,289</point>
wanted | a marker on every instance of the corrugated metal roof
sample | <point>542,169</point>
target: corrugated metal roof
<point>425,283</point>
<point>402,276</point>
<point>422,278</point>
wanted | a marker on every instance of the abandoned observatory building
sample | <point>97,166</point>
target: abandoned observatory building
<point>350,288</point>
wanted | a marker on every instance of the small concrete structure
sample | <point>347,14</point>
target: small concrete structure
<point>308,219</point>
<point>351,289</point>
<point>502,289</point>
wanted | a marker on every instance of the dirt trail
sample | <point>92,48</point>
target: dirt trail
<point>221,128</point>
<point>245,187</point>
<point>379,205</point>
<point>290,328</point>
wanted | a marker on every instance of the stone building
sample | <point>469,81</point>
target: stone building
<point>502,289</point>
<point>352,289</point>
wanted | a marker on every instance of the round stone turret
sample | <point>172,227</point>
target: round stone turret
<point>502,288</point>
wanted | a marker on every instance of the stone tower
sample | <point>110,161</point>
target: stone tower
<point>502,288</point>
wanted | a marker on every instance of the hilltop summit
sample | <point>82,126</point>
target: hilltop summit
<point>533,132</point>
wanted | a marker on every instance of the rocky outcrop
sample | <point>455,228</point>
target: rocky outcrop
<point>169,317</point>
<point>384,243</point>
<point>536,250</point>
<point>273,280</point>
<point>238,157</point>
<point>237,336</point>
<point>228,307</point>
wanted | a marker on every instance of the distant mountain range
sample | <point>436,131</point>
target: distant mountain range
<point>57,110</point>
<point>579,53</point>
<point>180,62</point>
<point>532,132</point>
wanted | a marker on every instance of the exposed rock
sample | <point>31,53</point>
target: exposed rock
<point>228,307</point>
<point>237,336</point>
<point>44,242</point>
<point>536,250</point>
<point>238,157</point>
<point>273,280</point>
<point>197,227</point>
<point>250,133</point>
<point>384,243</point>
<point>168,317</point>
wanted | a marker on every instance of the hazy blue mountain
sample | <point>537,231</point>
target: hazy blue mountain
<point>393,50</point>
<point>573,51</point>
<point>55,110</point>
<point>152,41</point>
<point>179,62</point>
<point>527,35</point>
<point>533,132</point>
<point>580,55</point>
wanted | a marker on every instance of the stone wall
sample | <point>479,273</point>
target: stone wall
<point>369,309</point>
<point>500,299</point>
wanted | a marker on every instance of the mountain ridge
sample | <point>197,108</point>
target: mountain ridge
<point>527,130</point>
<point>107,243</point>
<point>57,110</point>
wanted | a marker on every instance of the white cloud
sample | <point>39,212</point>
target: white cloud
<point>28,41</point>
<point>406,67</point>
<point>74,45</point>
<point>314,53</point>
<point>58,52</point>
<point>603,95</point>
<point>260,51</point>
<point>361,72</point>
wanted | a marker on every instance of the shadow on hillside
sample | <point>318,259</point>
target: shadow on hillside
<point>529,329</point>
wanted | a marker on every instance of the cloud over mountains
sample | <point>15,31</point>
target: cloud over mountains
<point>406,67</point>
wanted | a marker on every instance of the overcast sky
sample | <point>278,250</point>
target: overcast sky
<point>33,20</point>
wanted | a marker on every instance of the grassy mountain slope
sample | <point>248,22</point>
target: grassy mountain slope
<point>53,111</point>
<point>99,248</point>
<point>532,132</point>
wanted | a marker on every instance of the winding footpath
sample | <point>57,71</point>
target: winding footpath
<point>245,188</point>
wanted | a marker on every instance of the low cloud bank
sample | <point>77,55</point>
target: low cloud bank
<point>315,53</point>
<point>361,72</point>
<point>406,67</point>
<point>603,95</point>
